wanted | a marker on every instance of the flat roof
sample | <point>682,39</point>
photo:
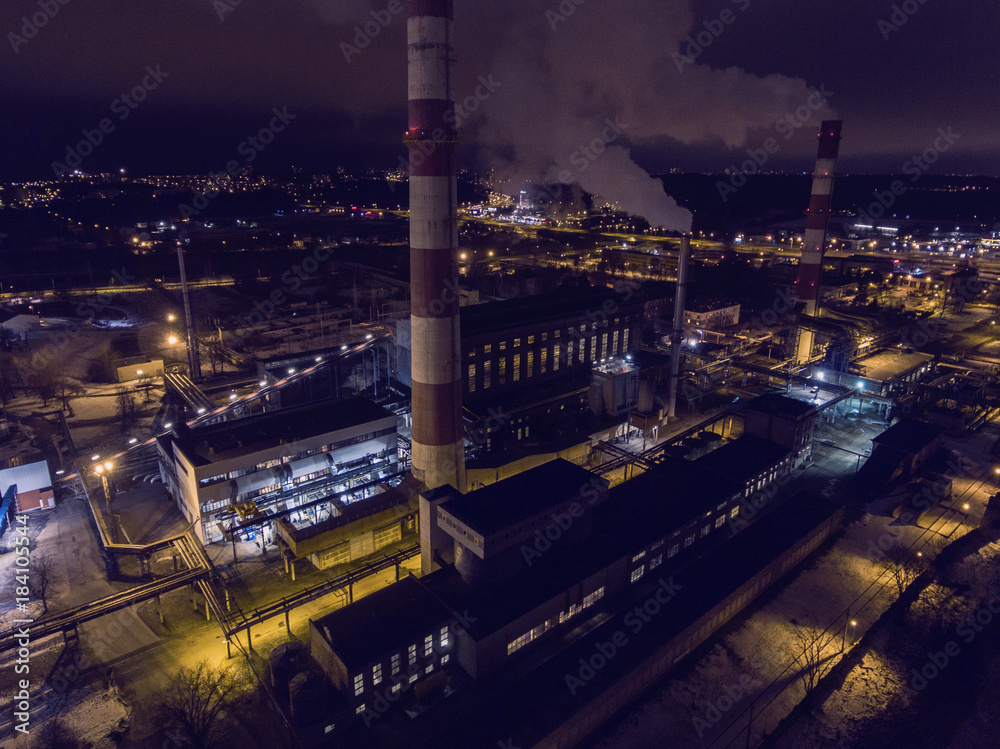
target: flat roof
<point>482,319</point>
<point>491,509</point>
<point>744,458</point>
<point>777,404</point>
<point>231,439</point>
<point>884,365</point>
<point>909,435</point>
<point>388,619</point>
<point>660,500</point>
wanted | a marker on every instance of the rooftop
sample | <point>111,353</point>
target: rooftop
<point>909,435</point>
<point>658,501</point>
<point>497,506</point>
<point>232,439</point>
<point>744,458</point>
<point>884,365</point>
<point>781,405</point>
<point>388,619</point>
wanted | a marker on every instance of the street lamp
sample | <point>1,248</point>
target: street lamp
<point>852,625</point>
<point>104,471</point>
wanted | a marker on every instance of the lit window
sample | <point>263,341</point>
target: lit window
<point>638,556</point>
<point>395,664</point>
<point>488,348</point>
<point>531,363</point>
<point>359,684</point>
<point>517,367</point>
<point>706,530</point>
<point>444,637</point>
<point>593,348</point>
<point>503,345</point>
<point>486,375</point>
<point>395,688</point>
<point>503,371</point>
<point>689,540</point>
<point>445,658</point>
<point>531,339</point>
<point>673,551</point>
<point>472,378</point>
<point>428,644</point>
<point>545,336</point>
<point>429,669</point>
<point>604,345</point>
<point>545,361</point>
<point>411,653</point>
<point>359,709</point>
<point>638,572</point>
<point>377,674</point>
<point>517,342</point>
<point>414,677</point>
<point>655,562</point>
<point>614,343</point>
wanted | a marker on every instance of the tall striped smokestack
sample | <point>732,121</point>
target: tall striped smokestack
<point>438,446</point>
<point>817,220</point>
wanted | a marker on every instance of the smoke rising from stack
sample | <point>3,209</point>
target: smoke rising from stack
<point>561,81</point>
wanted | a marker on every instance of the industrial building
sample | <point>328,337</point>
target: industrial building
<point>525,557</point>
<point>29,481</point>
<point>284,463</point>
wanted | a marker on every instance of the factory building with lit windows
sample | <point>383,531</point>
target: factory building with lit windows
<point>236,477</point>
<point>528,559</point>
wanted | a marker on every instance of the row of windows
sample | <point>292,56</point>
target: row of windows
<point>291,458</point>
<point>444,640</point>
<point>564,616</point>
<point>543,361</point>
<point>571,332</point>
<point>410,679</point>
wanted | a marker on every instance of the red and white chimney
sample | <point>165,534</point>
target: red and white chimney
<point>438,437</point>
<point>817,220</point>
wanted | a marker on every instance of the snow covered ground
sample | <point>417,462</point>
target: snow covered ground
<point>706,702</point>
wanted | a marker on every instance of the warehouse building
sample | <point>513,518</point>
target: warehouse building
<point>283,463</point>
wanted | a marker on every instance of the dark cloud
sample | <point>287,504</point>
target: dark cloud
<point>343,70</point>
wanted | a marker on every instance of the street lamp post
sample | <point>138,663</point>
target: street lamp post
<point>851,624</point>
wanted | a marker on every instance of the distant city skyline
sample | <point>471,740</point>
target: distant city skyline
<point>694,85</point>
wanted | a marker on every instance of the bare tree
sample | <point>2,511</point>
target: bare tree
<point>198,699</point>
<point>815,653</point>
<point>904,564</point>
<point>41,579</point>
<point>67,389</point>
<point>125,404</point>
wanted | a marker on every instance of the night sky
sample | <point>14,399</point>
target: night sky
<point>556,81</point>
